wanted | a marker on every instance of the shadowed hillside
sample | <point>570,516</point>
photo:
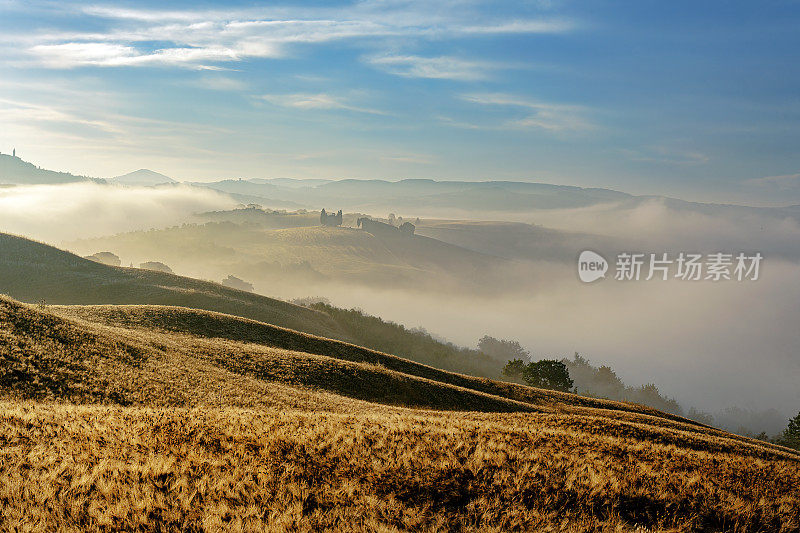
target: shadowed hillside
<point>49,357</point>
<point>31,271</point>
<point>302,433</point>
<point>64,338</point>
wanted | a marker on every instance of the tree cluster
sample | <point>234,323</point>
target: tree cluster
<point>791,435</point>
<point>544,374</point>
<point>330,220</point>
<point>502,350</point>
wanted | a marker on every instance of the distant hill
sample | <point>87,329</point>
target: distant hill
<point>268,248</point>
<point>292,182</point>
<point>514,240</point>
<point>257,191</point>
<point>241,186</point>
<point>142,177</point>
<point>414,194</point>
<point>14,170</point>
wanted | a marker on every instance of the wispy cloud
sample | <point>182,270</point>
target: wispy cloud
<point>13,111</point>
<point>207,38</point>
<point>539,115</point>
<point>442,67</point>
<point>316,101</point>
<point>783,181</point>
<point>71,55</point>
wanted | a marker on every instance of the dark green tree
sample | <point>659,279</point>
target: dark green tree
<point>791,435</point>
<point>548,374</point>
<point>514,369</point>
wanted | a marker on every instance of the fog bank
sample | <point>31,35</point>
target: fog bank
<point>56,213</point>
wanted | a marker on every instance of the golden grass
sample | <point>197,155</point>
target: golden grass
<point>109,468</point>
<point>165,419</point>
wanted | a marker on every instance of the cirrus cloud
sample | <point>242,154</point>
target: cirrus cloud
<point>207,38</point>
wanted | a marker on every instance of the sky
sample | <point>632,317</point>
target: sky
<point>699,100</point>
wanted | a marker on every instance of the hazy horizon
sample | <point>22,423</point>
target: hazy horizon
<point>534,91</point>
<point>735,200</point>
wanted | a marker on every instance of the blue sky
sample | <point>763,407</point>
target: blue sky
<point>692,99</point>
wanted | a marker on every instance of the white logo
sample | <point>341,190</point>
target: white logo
<point>591,266</point>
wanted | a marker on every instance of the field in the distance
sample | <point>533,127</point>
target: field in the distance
<point>163,418</point>
<point>273,248</point>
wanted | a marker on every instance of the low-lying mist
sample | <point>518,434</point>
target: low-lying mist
<point>55,213</point>
<point>711,345</point>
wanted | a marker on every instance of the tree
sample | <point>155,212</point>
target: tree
<point>502,350</point>
<point>514,369</point>
<point>791,435</point>
<point>548,374</point>
<point>323,217</point>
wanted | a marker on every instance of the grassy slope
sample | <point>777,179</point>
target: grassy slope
<point>47,356</point>
<point>224,331</point>
<point>295,435</point>
<point>32,272</point>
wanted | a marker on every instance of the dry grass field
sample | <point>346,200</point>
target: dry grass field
<point>151,418</point>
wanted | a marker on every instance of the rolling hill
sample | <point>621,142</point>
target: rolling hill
<point>35,272</point>
<point>15,171</point>
<point>416,194</point>
<point>278,249</point>
<point>32,271</point>
<point>142,177</point>
<point>143,417</point>
<point>514,240</point>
